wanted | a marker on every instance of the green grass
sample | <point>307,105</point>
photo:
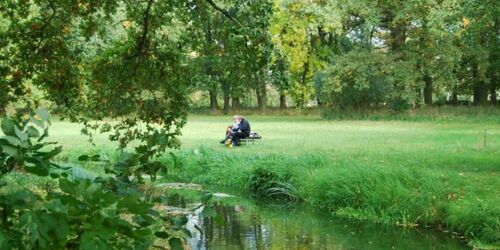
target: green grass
<point>435,172</point>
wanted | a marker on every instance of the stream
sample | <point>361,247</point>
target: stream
<point>240,224</point>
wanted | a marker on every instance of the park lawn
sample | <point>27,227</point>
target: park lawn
<point>396,172</point>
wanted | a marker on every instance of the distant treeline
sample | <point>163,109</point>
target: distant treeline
<point>359,54</point>
<point>115,58</point>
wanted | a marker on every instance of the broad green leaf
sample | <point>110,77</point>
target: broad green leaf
<point>132,205</point>
<point>50,154</point>
<point>67,186</point>
<point>38,122</point>
<point>180,221</point>
<point>37,170</point>
<point>12,140</point>
<point>33,132</point>
<point>44,135</point>
<point>23,136</point>
<point>176,244</point>
<point>8,127</point>
<point>10,150</point>
<point>162,234</point>
<point>83,158</point>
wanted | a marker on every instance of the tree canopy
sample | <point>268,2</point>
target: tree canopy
<point>131,68</point>
<point>82,54</point>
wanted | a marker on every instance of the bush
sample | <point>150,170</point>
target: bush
<point>399,104</point>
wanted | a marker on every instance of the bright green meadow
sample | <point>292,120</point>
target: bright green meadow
<point>445,174</point>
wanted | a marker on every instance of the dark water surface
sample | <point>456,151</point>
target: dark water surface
<point>224,226</point>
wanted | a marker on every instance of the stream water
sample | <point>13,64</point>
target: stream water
<point>242,225</point>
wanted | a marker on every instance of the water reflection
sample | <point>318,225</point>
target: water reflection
<point>250,227</point>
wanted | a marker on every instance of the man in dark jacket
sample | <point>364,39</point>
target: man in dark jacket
<point>243,130</point>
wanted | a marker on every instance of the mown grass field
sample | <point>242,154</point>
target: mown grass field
<point>438,173</point>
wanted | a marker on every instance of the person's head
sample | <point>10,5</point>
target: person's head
<point>237,118</point>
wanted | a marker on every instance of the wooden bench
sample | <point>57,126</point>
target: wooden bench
<point>252,138</point>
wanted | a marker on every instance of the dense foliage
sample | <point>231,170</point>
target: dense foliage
<point>127,68</point>
<point>78,212</point>
<point>153,54</point>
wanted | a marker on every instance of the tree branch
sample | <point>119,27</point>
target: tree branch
<point>224,12</point>
<point>145,29</point>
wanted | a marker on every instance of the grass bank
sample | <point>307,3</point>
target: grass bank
<point>428,172</point>
<point>408,195</point>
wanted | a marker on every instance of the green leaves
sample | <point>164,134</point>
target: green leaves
<point>8,126</point>
<point>96,157</point>
<point>33,132</point>
<point>23,147</point>
<point>23,136</point>
<point>176,244</point>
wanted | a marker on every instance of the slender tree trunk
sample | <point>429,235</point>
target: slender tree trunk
<point>493,93</point>
<point>303,81</point>
<point>236,105</point>
<point>226,94</point>
<point>227,99</point>
<point>428,90</point>
<point>454,97</point>
<point>398,36</point>
<point>480,89</point>
<point>213,100</point>
<point>305,71</point>
<point>261,99</point>
<point>261,91</point>
<point>263,108</point>
<point>480,93</point>
<point>493,86</point>
<point>282,100</point>
<point>207,49</point>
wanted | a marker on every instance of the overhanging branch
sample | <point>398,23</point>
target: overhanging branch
<point>223,11</point>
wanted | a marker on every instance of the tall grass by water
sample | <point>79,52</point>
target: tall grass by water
<point>408,196</point>
<point>441,172</point>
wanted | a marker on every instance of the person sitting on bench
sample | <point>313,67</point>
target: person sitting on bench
<point>229,131</point>
<point>243,130</point>
<point>240,130</point>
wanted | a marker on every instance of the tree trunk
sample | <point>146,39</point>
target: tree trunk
<point>263,107</point>
<point>493,93</point>
<point>261,99</point>
<point>226,93</point>
<point>236,105</point>
<point>227,99</point>
<point>480,93</point>
<point>493,86</point>
<point>428,90</point>
<point>207,50</point>
<point>480,89</point>
<point>282,101</point>
<point>213,100</point>
<point>454,97</point>
<point>398,36</point>
<point>303,81</point>
<point>261,91</point>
